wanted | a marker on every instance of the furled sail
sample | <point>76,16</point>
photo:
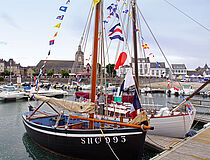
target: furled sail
<point>68,105</point>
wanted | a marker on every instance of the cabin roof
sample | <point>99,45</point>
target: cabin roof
<point>178,66</point>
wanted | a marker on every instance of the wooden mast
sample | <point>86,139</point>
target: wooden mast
<point>135,46</point>
<point>95,53</point>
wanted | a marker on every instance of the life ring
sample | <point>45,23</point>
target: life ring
<point>36,88</point>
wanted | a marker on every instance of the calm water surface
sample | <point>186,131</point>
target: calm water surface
<point>15,144</point>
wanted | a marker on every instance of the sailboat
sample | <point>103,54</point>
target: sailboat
<point>84,137</point>
<point>170,123</point>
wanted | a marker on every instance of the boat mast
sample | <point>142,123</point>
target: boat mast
<point>95,52</point>
<point>94,64</point>
<point>133,3</point>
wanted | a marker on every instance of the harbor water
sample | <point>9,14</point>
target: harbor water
<point>15,144</point>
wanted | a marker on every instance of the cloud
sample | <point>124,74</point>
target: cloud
<point>9,20</point>
<point>3,43</point>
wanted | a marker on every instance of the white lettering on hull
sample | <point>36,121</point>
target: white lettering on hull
<point>98,140</point>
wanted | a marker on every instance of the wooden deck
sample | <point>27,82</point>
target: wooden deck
<point>161,143</point>
<point>193,148</point>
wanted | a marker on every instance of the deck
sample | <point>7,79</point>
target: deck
<point>196,147</point>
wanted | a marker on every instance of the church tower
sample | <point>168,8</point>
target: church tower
<point>79,60</point>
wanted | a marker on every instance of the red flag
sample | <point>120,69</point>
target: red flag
<point>176,89</point>
<point>121,60</point>
<point>145,46</point>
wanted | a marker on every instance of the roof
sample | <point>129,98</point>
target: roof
<point>193,72</point>
<point>142,60</point>
<point>178,66</point>
<point>154,65</point>
<point>56,64</point>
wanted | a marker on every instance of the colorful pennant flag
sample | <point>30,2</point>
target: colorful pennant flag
<point>189,109</point>
<point>145,46</point>
<point>105,21</point>
<point>60,17</point>
<point>168,86</point>
<point>121,60</point>
<point>113,10</point>
<point>79,80</point>
<point>157,64</point>
<point>58,25</point>
<point>67,2</point>
<point>126,11</point>
<point>55,34</point>
<point>51,42</point>
<point>136,105</point>
<point>95,2</point>
<point>137,30</point>
<point>117,37</point>
<point>176,89</point>
<point>125,4</point>
<point>151,54</point>
<point>63,8</point>
<point>114,30</point>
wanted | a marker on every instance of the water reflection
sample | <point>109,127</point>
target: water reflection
<point>37,153</point>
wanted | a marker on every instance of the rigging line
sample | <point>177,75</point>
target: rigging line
<point>86,23</point>
<point>170,68</point>
<point>155,40</point>
<point>188,16</point>
<point>87,31</point>
<point>123,29</point>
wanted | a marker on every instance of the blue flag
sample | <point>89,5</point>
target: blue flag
<point>122,87</point>
<point>136,101</point>
<point>60,17</point>
<point>113,28</point>
<point>117,37</point>
<point>63,8</point>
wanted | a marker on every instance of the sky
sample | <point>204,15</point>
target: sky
<point>26,26</point>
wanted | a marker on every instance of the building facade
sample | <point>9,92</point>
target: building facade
<point>150,69</point>
<point>57,66</point>
<point>179,71</point>
<point>2,65</point>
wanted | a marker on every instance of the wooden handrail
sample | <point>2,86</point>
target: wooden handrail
<point>112,122</point>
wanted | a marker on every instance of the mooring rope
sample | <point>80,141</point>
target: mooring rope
<point>155,142</point>
<point>109,145</point>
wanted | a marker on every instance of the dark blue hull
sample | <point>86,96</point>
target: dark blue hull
<point>126,143</point>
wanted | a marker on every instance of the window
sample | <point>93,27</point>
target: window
<point>157,72</point>
<point>145,71</point>
<point>141,71</point>
<point>153,72</point>
<point>145,66</point>
<point>140,65</point>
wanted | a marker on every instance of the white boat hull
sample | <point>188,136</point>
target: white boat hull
<point>172,126</point>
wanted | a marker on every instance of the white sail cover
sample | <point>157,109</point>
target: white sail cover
<point>68,105</point>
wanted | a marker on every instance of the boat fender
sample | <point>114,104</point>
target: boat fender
<point>36,88</point>
<point>191,133</point>
<point>30,108</point>
<point>206,125</point>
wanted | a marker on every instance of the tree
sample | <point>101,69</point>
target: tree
<point>35,74</point>
<point>6,73</point>
<point>50,73</point>
<point>64,73</point>
<point>110,70</point>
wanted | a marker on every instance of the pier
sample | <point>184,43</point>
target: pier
<point>196,147</point>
